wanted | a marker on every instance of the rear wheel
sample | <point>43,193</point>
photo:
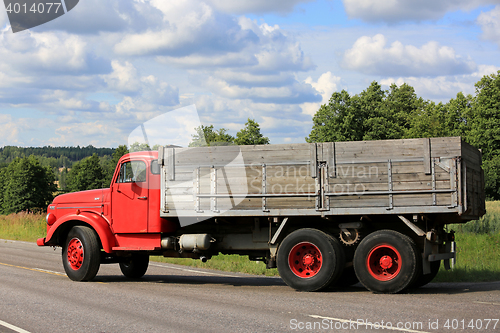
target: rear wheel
<point>136,266</point>
<point>81,254</point>
<point>387,261</point>
<point>310,260</point>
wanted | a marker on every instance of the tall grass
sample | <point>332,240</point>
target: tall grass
<point>478,259</point>
<point>23,226</point>
<point>488,224</point>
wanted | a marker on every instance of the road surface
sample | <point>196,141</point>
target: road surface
<point>36,296</point>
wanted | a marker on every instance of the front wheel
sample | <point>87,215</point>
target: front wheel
<point>310,260</point>
<point>387,261</point>
<point>81,254</point>
<point>136,266</point>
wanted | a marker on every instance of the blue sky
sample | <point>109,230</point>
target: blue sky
<point>95,74</point>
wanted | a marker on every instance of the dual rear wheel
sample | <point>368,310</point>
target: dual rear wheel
<point>385,261</point>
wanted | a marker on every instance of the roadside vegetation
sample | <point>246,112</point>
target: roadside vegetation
<point>23,226</point>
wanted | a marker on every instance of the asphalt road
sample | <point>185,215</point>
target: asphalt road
<point>36,296</point>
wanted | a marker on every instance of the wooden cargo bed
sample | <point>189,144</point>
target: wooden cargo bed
<point>411,176</point>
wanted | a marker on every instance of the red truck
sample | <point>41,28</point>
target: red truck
<point>325,214</point>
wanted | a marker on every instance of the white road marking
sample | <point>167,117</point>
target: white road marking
<point>192,270</point>
<point>49,271</point>
<point>12,327</point>
<point>360,323</point>
<point>489,303</point>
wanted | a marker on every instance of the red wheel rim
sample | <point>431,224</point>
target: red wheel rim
<point>75,253</point>
<point>384,262</point>
<point>305,260</point>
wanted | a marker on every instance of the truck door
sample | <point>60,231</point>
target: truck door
<point>129,201</point>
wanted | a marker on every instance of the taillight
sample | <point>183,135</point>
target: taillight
<point>51,218</point>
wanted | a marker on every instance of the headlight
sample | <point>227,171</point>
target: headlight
<point>51,218</point>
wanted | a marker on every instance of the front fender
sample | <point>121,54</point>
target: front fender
<point>93,220</point>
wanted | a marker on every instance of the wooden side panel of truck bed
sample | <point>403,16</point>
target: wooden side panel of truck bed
<point>411,176</point>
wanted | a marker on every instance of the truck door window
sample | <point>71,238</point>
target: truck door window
<point>132,172</point>
<point>155,168</point>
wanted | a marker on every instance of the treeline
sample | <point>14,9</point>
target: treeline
<point>377,114</point>
<point>57,156</point>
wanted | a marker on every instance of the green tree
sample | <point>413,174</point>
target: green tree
<point>428,122</point>
<point>87,174</point>
<point>137,146</point>
<point>484,120</point>
<point>457,116</point>
<point>28,186</point>
<point>491,169</point>
<point>207,136</point>
<point>3,179</point>
<point>111,165</point>
<point>337,120</point>
<point>250,135</point>
<point>62,179</point>
<point>485,116</point>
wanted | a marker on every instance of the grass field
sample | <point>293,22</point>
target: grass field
<point>23,226</point>
<point>478,248</point>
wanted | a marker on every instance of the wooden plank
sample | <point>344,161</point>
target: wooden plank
<point>314,160</point>
<point>427,155</point>
<point>329,158</point>
<point>359,201</point>
<point>170,163</point>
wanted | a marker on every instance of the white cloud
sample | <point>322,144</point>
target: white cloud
<point>124,77</point>
<point>95,16</point>
<point>256,6</point>
<point>4,20</point>
<point>326,85</point>
<point>48,52</point>
<point>159,92</point>
<point>7,81</point>
<point>294,93</point>
<point>490,24</point>
<point>126,80</point>
<point>393,11</point>
<point>189,27</point>
<point>230,59</point>
<point>94,133</point>
<point>442,88</point>
<point>370,55</point>
<point>10,130</point>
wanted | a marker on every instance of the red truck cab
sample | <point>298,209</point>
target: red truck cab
<point>124,216</point>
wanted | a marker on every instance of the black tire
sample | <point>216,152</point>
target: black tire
<point>316,262</point>
<point>136,266</point>
<point>81,254</point>
<point>387,261</point>
<point>422,279</point>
